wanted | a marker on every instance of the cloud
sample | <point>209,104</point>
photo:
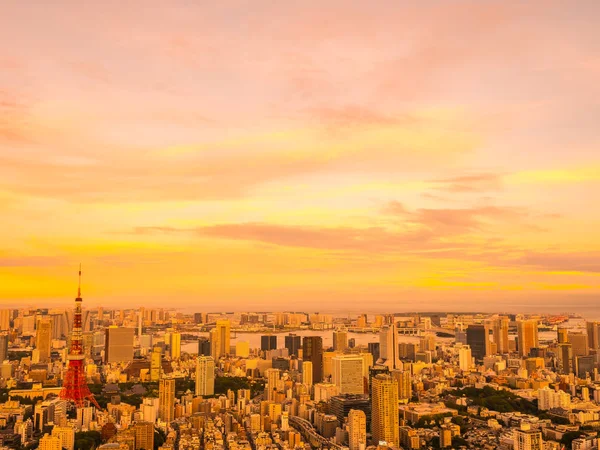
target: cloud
<point>562,261</point>
<point>479,182</point>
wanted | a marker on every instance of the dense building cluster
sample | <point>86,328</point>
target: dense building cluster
<point>256,381</point>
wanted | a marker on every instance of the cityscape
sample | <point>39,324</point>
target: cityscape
<point>145,378</point>
<point>299,225</point>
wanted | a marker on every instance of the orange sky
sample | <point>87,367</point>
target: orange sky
<point>337,155</point>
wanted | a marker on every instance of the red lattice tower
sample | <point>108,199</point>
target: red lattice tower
<point>75,386</point>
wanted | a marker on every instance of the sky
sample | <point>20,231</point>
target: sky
<point>315,155</point>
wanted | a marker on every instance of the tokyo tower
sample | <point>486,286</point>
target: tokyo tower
<point>75,386</point>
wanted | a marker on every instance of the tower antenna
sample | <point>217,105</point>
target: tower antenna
<point>79,288</point>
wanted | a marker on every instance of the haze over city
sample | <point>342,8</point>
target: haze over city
<point>333,156</point>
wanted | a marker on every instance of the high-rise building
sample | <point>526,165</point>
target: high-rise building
<point>500,332</point>
<point>205,375</point>
<point>348,374</point>
<point>388,346</point>
<point>4,319</point>
<point>478,339</point>
<point>565,358</point>
<point>155,364</point>
<point>166,399</point>
<point>268,342</point>
<point>549,399</point>
<point>384,412</point>
<point>528,439</point>
<point>203,347</point>
<point>357,429</point>
<point>527,334</point>
<point>48,442</point>
<point>404,380</point>
<point>3,347</point>
<point>593,335</point>
<point>66,436</point>
<point>307,373</point>
<point>562,335</point>
<point>340,340</point>
<point>220,339</point>
<point>579,343</point>
<point>341,405</point>
<point>144,435</point>
<point>118,345</point>
<point>43,339</point>
<point>273,376</point>
<point>465,358</point>
<point>175,346</point>
<point>292,343</point>
<point>312,350</point>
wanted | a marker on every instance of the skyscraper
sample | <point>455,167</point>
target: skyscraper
<point>307,373</point>
<point>119,344</point>
<point>357,429</point>
<point>4,319</point>
<point>579,343</point>
<point>3,347</point>
<point>203,347</point>
<point>312,350</point>
<point>273,376</point>
<point>205,375</point>
<point>175,346</point>
<point>220,339</point>
<point>465,358</point>
<point>155,364</point>
<point>500,331</point>
<point>348,374</point>
<point>478,340</point>
<point>268,342</point>
<point>340,340</point>
<point>292,343</point>
<point>593,335</point>
<point>43,339</point>
<point>527,333</point>
<point>404,380</point>
<point>388,346</point>
<point>384,413</point>
<point>166,399</point>
<point>565,358</point>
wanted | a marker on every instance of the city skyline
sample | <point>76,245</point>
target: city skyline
<point>237,156</point>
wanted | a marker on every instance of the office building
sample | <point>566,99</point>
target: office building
<point>268,342</point>
<point>500,334</point>
<point>292,343</point>
<point>3,347</point>
<point>312,350</point>
<point>579,344</point>
<point>565,358</point>
<point>527,335</point>
<point>166,399</point>
<point>340,340</point>
<point>203,347</point>
<point>562,335</point>
<point>220,339</point>
<point>43,339</point>
<point>478,339</point>
<point>465,358</point>
<point>384,412</point>
<point>388,346</point>
<point>593,335</point>
<point>307,373</point>
<point>175,345</point>
<point>357,430</point>
<point>205,375</point>
<point>341,405</point>
<point>118,345</point>
<point>5,319</point>
<point>348,371</point>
